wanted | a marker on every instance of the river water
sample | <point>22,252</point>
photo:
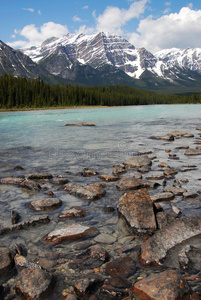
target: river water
<point>39,141</point>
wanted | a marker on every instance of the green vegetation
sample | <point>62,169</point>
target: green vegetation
<point>22,93</point>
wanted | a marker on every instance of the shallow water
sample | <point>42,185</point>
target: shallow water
<point>38,141</point>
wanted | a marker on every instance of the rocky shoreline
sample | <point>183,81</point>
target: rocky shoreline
<point>156,253</point>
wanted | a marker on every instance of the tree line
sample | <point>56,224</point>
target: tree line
<point>22,93</point>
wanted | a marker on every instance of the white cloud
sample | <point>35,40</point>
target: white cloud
<point>35,36</point>
<point>113,18</point>
<point>85,7</point>
<point>180,30</point>
<point>190,5</point>
<point>167,10</point>
<point>39,12</point>
<point>76,19</point>
<point>167,3</point>
<point>29,9</point>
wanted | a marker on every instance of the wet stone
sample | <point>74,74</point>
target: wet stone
<point>108,291</point>
<point>38,176</point>
<point>118,169</point>
<point>34,282</point>
<point>170,172</point>
<point>69,233</point>
<point>93,257</point>
<point>167,196</point>
<point>11,180</point>
<point>163,165</point>
<point>131,183</point>
<point>91,192</point>
<point>15,217</point>
<point>30,185</point>
<point>179,133</point>
<point>192,152</point>
<point>80,124</point>
<point>18,168</point>
<point>190,195</point>
<point>171,235</point>
<point>165,285</point>
<point>163,219</point>
<point>74,212</point>
<point>188,168</point>
<point>105,239</point>
<point>109,209</point>
<point>167,137</point>
<point>155,177</point>
<point>45,204</point>
<point>137,162</point>
<point>137,208</point>
<point>6,261</point>
<point>108,177</point>
<point>87,172</point>
<point>59,181</point>
<point>175,190</point>
<point>87,282</point>
<point>123,267</point>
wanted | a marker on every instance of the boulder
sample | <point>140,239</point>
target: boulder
<point>38,176</point>
<point>131,183</point>
<point>33,282</point>
<point>69,233</point>
<point>155,249</point>
<point>192,152</point>
<point>138,162</point>
<point>167,285</point>
<point>80,124</point>
<point>74,212</point>
<point>45,204</point>
<point>123,267</point>
<point>137,208</point>
<point>6,260</point>
<point>91,192</point>
<point>108,177</point>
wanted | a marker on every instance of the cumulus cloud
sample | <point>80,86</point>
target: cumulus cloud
<point>113,18</point>
<point>180,30</point>
<point>35,36</point>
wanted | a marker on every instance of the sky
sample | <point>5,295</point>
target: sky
<point>153,24</point>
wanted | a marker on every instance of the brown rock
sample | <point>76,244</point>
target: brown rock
<point>175,190</point>
<point>84,284</point>
<point>178,134</point>
<point>59,181</point>
<point>123,267</point>
<point>137,208</point>
<point>34,282</point>
<point>69,233</point>
<point>162,197</point>
<point>108,177</point>
<point>168,285</point>
<point>163,165</point>
<point>138,162</point>
<point>87,172</point>
<point>118,169</point>
<point>155,249</point>
<point>91,192</point>
<point>170,172</point>
<point>11,180</point>
<point>131,183</point>
<point>6,261</point>
<point>30,185</point>
<point>74,212</point>
<point>155,177</point>
<point>198,128</point>
<point>163,219</point>
<point>192,152</point>
<point>80,124</point>
<point>45,204</point>
<point>167,137</point>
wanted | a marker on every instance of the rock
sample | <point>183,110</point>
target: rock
<point>59,181</point>
<point>131,183</point>
<point>163,165</point>
<point>80,124</point>
<point>192,152</point>
<point>137,208</point>
<point>167,137</point>
<point>175,190</point>
<point>162,197</point>
<point>169,172</point>
<point>179,134</point>
<point>123,267</point>
<point>137,162</point>
<point>167,285</point>
<point>11,180</point>
<point>108,291</point>
<point>84,284</point>
<point>30,185</point>
<point>18,168</point>
<point>109,208</point>
<point>198,128</point>
<point>38,176</point>
<point>93,257</point>
<point>163,219</point>
<point>175,211</point>
<point>91,192</point>
<point>69,233</point>
<point>45,204</point>
<point>33,282</point>
<point>108,177</point>
<point>15,217</point>
<point>6,260</point>
<point>188,168</point>
<point>155,249</point>
<point>74,212</point>
<point>155,177</point>
<point>118,169</point>
<point>190,195</point>
<point>144,152</point>
<point>104,238</point>
<point>33,222</point>
<point>87,172</point>
<point>173,156</point>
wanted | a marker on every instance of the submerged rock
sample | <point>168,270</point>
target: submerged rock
<point>74,212</point>
<point>69,233</point>
<point>168,285</point>
<point>45,204</point>
<point>123,267</point>
<point>137,208</point>
<point>91,192</point>
<point>137,162</point>
<point>80,124</point>
<point>155,249</point>
<point>87,282</point>
<point>131,183</point>
<point>6,260</point>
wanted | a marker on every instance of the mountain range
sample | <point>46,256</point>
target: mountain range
<point>103,59</point>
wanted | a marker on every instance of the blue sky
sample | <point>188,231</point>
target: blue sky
<point>153,24</point>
